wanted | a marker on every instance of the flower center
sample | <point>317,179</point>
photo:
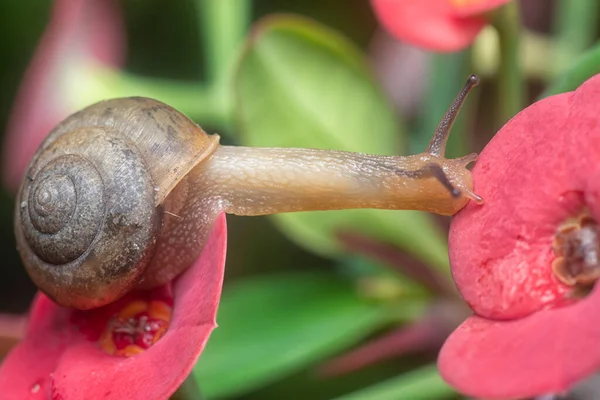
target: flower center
<point>577,252</point>
<point>464,3</point>
<point>136,327</point>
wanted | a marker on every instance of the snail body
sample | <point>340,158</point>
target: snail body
<point>123,194</point>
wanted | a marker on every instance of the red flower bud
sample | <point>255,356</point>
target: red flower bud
<point>437,25</point>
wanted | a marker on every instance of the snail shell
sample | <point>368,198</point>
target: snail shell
<point>90,210</point>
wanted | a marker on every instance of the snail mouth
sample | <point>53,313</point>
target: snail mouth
<point>577,249</point>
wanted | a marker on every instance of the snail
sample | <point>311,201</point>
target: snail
<point>123,193</point>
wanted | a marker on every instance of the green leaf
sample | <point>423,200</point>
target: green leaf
<point>575,29</point>
<point>300,84</point>
<point>222,27</point>
<point>273,326</point>
<point>424,383</point>
<point>581,70</point>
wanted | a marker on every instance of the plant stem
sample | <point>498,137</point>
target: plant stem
<point>223,26</point>
<point>422,383</point>
<point>575,29</point>
<point>510,75</point>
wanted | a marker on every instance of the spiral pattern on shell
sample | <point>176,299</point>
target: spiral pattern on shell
<point>59,230</point>
<point>88,217</point>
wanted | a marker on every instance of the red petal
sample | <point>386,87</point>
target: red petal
<point>546,352</point>
<point>431,24</point>
<point>501,252</point>
<point>25,372</point>
<point>78,30</point>
<point>538,170</point>
<point>85,372</point>
<point>62,360</point>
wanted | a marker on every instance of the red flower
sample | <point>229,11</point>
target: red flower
<point>66,353</point>
<point>80,33</point>
<point>437,25</point>
<point>144,345</point>
<point>525,260</point>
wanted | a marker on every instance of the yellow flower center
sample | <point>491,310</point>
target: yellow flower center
<point>465,3</point>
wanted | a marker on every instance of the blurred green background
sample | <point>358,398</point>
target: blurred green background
<point>295,295</point>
